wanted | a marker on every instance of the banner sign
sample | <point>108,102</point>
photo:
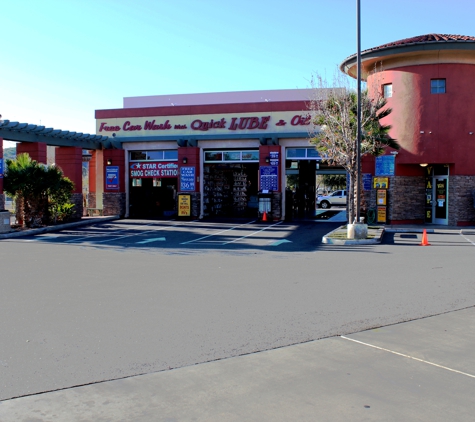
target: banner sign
<point>367,177</point>
<point>153,169</point>
<point>381,215</point>
<point>281,121</point>
<point>187,179</point>
<point>385,165</point>
<point>1,168</point>
<point>274,158</point>
<point>112,177</point>
<point>381,197</point>
<point>184,205</point>
<point>269,179</point>
<point>381,182</point>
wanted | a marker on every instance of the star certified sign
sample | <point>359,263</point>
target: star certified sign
<point>153,169</point>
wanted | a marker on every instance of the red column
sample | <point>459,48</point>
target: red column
<point>264,160</point>
<point>36,150</point>
<point>114,200</point>
<point>69,159</point>
<point>115,157</point>
<point>2,171</point>
<point>92,173</point>
<point>192,157</point>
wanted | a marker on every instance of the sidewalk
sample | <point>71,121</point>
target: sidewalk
<point>376,233</point>
<point>422,370</point>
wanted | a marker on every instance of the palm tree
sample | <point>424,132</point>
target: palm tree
<point>38,189</point>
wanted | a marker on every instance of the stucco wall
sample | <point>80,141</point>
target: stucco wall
<point>432,128</point>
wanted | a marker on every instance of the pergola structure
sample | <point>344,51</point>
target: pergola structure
<point>25,132</point>
<point>34,139</point>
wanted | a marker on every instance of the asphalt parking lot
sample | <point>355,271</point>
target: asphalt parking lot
<point>237,320</point>
<point>191,236</point>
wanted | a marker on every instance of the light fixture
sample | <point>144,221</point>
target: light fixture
<point>470,133</point>
<point>185,160</point>
<point>422,131</point>
<point>267,159</point>
<point>109,161</point>
<point>423,164</point>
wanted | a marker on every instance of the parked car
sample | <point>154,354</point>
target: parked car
<point>335,198</point>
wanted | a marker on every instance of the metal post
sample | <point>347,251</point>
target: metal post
<point>358,112</point>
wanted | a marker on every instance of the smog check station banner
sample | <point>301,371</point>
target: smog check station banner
<point>153,169</point>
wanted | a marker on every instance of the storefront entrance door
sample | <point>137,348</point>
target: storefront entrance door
<point>440,200</point>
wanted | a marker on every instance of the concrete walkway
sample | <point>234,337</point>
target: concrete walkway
<point>422,370</point>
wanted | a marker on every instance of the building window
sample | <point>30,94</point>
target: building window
<point>437,86</point>
<point>388,90</point>
<point>159,155</point>
<point>302,154</point>
<point>232,156</point>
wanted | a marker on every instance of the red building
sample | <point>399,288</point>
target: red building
<point>428,82</point>
<point>219,151</point>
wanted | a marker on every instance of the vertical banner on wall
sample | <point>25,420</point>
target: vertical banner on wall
<point>385,165</point>
<point>112,177</point>
<point>268,178</point>
<point>187,179</point>
<point>1,168</point>
<point>274,158</point>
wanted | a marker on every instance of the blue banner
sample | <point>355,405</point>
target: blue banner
<point>269,180</point>
<point>385,165</point>
<point>187,179</point>
<point>112,177</point>
<point>1,167</point>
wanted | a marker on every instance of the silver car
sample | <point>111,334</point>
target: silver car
<point>335,198</point>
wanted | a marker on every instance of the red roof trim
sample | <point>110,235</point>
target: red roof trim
<point>203,109</point>
<point>420,39</point>
<point>424,39</point>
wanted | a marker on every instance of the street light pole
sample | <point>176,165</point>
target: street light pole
<point>358,110</point>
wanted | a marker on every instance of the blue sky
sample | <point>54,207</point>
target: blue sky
<point>63,59</point>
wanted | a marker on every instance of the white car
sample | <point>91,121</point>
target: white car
<point>335,198</point>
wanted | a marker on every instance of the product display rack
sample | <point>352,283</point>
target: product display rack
<point>225,190</point>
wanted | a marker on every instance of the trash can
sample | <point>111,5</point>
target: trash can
<point>265,207</point>
<point>5,221</point>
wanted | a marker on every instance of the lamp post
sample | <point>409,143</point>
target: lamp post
<point>358,109</point>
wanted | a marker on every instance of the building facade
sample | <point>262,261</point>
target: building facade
<point>428,83</point>
<point>219,152</point>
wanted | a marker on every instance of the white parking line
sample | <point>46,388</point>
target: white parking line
<point>251,234</point>
<point>215,234</point>
<point>409,357</point>
<point>467,239</point>
<point>115,233</point>
<point>153,239</point>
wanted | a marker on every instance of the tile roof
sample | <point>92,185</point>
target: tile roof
<point>422,39</point>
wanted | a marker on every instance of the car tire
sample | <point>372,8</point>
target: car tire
<point>325,205</point>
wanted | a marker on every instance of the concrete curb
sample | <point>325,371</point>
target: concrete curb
<point>48,229</point>
<point>408,230</point>
<point>376,232</point>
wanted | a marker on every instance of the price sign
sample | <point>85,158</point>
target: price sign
<point>187,179</point>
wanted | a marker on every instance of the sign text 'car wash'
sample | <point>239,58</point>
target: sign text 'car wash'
<point>153,169</point>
